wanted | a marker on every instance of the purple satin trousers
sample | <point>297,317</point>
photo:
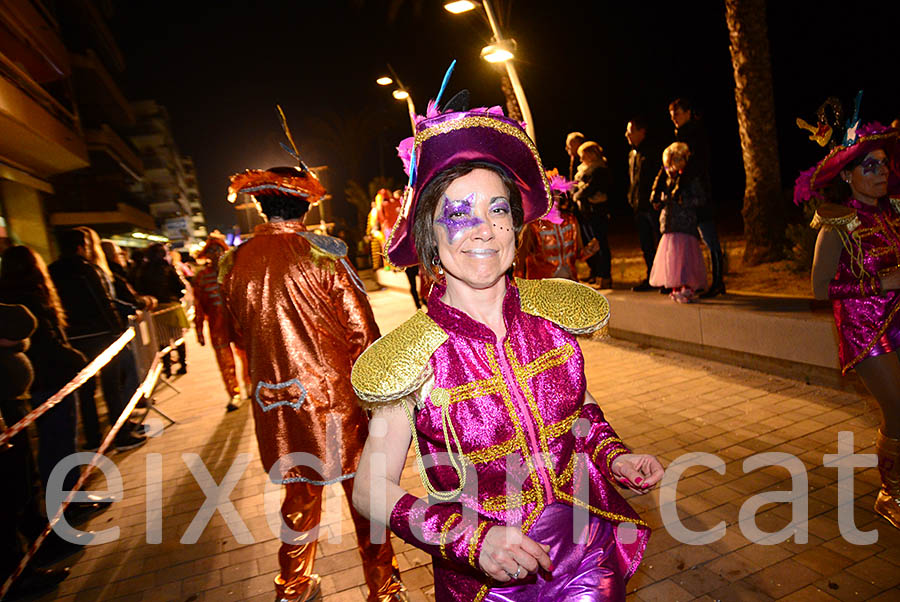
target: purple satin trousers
<point>583,560</point>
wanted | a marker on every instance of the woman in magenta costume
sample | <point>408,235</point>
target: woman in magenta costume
<point>857,266</point>
<point>489,388</point>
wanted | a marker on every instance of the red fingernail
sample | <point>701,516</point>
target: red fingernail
<point>638,480</point>
<point>551,568</point>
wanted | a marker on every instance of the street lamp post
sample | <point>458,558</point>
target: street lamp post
<point>401,93</point>
<point>501,45</point>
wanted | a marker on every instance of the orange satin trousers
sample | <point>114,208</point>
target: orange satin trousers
<point>301,512</point>
<point>222,347</point>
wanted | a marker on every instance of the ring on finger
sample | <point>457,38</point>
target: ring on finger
<point>518,570</point>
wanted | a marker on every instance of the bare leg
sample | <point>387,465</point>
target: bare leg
<point>881,374</point>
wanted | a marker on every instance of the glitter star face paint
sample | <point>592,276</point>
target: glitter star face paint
<point>474,231</point>
<point>871,165</point>
<point>457,216</point>
<point>868,180</point>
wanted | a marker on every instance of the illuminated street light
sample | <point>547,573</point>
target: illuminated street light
<point>459,6</point>
<point>400,93</point>
<point>501,51</point>
<point>498,53</point>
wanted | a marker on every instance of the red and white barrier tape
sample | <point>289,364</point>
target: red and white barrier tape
<point>143,390</point>
<point>87,372</point>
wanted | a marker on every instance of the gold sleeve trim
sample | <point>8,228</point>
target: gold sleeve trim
<point>574,307</point>
<point>473,543</point>
<point>396,364</point>
<point>603,443</point>
<point>613,455</point>
<point>444,530</point>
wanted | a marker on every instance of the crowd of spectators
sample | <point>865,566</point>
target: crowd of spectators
<point>54,321</point>
<point>673,210</point>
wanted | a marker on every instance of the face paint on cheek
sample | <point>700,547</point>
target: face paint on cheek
<point>457,217</point>
<point>502,205</point>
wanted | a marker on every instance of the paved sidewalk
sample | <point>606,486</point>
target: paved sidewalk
<point>660,401</point>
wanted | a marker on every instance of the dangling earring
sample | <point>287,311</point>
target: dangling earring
<point>436,263</point>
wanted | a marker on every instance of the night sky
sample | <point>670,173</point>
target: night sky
<point>220,67</point>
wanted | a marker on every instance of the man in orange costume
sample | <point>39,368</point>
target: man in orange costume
<point>208,307</point>
<point>303,316</point>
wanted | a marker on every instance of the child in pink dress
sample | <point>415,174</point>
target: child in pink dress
<point>679,262</point>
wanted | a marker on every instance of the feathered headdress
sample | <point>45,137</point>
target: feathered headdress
<point>299,181</point>
<point>453,134</point>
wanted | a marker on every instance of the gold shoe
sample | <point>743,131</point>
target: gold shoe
<point>888,502</point>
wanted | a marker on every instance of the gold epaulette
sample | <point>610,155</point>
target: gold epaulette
<point>835,216</point>
<point>574,307</point>
<point>895,203</point>
<point>396,365</point>
<point>225,264</point>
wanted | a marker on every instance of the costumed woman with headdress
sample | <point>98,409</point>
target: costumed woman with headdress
<point>857,266</point>
<point>489,384</point>
<point>209,308</point>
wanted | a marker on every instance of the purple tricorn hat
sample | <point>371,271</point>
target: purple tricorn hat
<point>446,139</point>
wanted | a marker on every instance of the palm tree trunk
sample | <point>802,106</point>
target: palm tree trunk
<point>512,105</point>
<point>764,218</point>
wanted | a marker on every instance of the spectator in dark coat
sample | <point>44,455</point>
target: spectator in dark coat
<point>643,164</point>
<point>591,194</point>
<point>24,280</point>
<point>157,278</point>
<point>19,503</point>
<point>689,129</point>
<point>94,323</point>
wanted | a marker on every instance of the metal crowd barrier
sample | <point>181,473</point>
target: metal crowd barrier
<point>153,334</point>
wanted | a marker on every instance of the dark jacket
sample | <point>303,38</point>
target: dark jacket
<point>643,165</point>
<point>89,308</point>
<point>54,360</point>
<point>592,184</point>
<point>694,135</point>
<point>159,279</point>
<point>16,375</point>
<point>680,197</point>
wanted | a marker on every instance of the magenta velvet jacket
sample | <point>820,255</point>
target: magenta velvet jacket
<point>867,318</point>
<point>514,411</point>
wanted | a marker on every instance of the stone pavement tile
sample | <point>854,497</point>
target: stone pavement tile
<point>675,560</point>
<point>876,571</point>
<point>782,578</point>
<point>823,560</point>
<point>739,591</point>
<point>810,593</point>
<point>200,583</point>
<point>763,556</point>
<point>732,566</point>
<point>698,580</point>
<point>846,587</point>
<point>891,595</point>
<point>344,579</point>
<point>165,593</point>
<point>664,591</point>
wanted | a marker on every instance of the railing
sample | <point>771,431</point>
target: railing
<point>153,335</point>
